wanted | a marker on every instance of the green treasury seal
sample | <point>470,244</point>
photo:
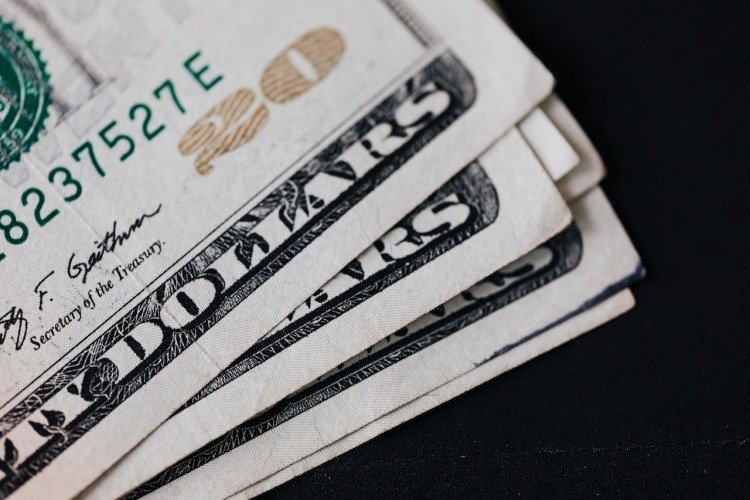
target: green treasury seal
<point>24,94</point>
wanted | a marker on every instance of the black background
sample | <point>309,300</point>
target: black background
<point>657,401</point>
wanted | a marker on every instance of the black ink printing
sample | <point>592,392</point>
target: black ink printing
<point>109,244</point>
<point>38,289</point>
<point>122,271</point>
<point>347,157</point>
<point>11,319</point>
<point>565,250</point>
<point>62,322</point>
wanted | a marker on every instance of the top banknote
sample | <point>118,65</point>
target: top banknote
<point>176,177</point>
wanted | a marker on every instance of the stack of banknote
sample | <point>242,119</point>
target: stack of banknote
<point>239,238</point>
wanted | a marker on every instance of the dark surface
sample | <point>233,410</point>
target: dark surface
<point>658,401</point>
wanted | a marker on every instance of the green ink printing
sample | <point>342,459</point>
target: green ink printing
<point>24,94</point>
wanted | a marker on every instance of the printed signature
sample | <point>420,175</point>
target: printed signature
<point>112,239</point>
<point>12,323</point>
<point>41,292</point>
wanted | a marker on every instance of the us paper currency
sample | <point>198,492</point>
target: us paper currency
<point>554,152</point>
<point>177,178</point>
<point>588,173</point>
<point>590,169</point>
<point>455,238</point>
<point>179,436</point>
<point>549,145</point>
<point>563,147</point>
<point>509,315</point>
<point>585,321</point>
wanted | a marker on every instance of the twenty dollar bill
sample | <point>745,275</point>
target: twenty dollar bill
<point>167,200</point>
<point>502,321</point>
<point>485,216</point>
